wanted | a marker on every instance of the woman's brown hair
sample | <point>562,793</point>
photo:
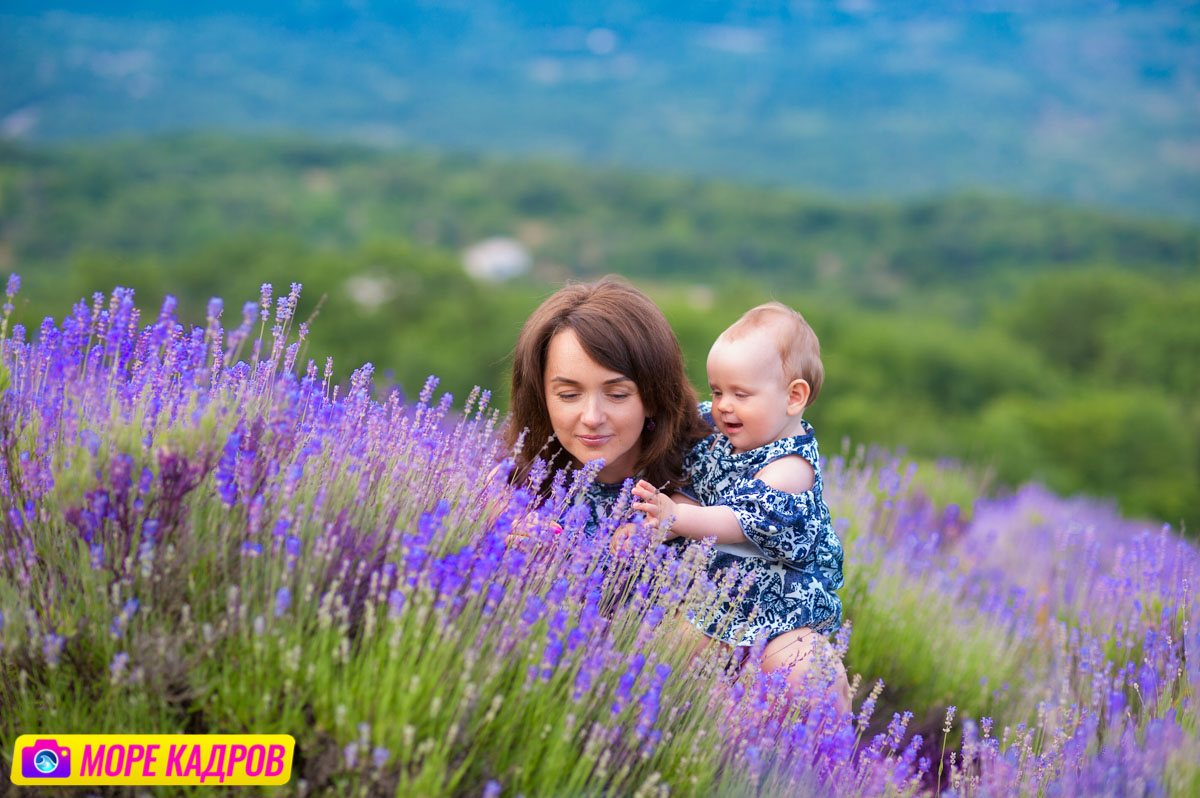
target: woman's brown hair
<point>624,331</point>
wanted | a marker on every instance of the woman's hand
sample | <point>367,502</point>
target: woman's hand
<point>622,539</point>
<point>529,528</point>
<point>518,536</point>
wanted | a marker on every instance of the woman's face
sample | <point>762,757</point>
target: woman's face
<point>594,412</point>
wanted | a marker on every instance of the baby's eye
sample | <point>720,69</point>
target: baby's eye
<point>741,394</point>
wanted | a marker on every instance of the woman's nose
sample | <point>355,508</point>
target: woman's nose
<point>593,412</point>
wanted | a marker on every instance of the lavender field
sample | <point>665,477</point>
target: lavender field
<point>199,532</point>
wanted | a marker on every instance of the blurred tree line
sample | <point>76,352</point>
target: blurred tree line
<point>1045,342</point>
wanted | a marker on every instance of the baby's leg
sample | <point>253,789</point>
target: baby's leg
<point>800,653</point>
<point>685,636</point>
<point>682,635</point>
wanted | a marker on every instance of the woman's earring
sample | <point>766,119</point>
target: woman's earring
<point>649,423</point>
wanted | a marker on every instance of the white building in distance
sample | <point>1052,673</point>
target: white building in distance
<point>496,259</point>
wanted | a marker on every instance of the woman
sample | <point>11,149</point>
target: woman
<point>598,373</point>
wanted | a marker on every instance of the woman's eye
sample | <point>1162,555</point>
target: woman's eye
<point>567,397</point>
<point>618,396</point>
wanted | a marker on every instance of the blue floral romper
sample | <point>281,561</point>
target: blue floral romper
<point>792,551</point>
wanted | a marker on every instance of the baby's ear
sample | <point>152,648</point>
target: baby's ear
<point>798,393</point>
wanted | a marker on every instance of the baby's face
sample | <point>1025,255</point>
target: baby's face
<point>750,394</point>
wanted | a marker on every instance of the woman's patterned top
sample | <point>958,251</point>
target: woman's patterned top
<point>792,553</point>
<point>604,503</point>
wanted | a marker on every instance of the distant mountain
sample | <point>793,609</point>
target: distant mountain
<point>1066,100</point>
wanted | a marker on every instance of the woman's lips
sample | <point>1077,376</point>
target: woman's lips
<point>594,440</point>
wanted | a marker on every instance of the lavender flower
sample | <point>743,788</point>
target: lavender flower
<point>52,646</point>
<point>116,668</point>
<point>265,300</point>
<point>395,603</point>
<point>283,600</point>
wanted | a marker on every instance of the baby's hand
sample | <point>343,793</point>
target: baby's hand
<point>658,506</point>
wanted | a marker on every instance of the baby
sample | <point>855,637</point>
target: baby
<point>758,483</point>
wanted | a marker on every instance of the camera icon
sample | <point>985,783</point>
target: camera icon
<point>46,759</point>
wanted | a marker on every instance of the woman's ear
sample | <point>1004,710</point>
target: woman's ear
<point>798,393</point>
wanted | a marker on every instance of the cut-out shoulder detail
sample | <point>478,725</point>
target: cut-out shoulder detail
<point>790,474</point>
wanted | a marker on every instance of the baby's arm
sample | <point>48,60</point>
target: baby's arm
<point>688,519</point>
<point>790,474</point>
<point>779,510</point>
<point>623,534</point>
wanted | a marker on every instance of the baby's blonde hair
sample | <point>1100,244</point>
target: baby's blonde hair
<point>799,349</point>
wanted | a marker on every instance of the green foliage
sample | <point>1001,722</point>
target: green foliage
<point>1156,342</point>
<point>1070,315</point>
<point>1128,443</point>
<point>929,361</point>
<point>170,195</point>
<point>972,327</point>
